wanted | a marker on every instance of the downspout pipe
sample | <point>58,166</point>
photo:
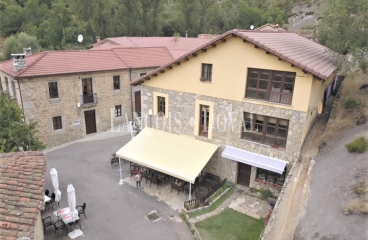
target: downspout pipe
<point>21,99</point>
<point>131,92</point>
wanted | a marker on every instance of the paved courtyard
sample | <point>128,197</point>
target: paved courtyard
<point>113,211</point>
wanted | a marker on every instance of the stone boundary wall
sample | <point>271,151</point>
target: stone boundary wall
<point>278,213</point>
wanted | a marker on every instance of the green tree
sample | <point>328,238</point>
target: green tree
<point>14,132</point>
<point>343,27</point>
<point>11,18</point>
<point>16,43</point>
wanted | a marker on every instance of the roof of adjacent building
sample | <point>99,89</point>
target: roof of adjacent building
<point>84,61</point>
<point>299,51</point>
<point>22,183</point>
<point>270,27</point>
<point>177,46</point>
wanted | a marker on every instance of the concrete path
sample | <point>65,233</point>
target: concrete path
<point>113,211</point>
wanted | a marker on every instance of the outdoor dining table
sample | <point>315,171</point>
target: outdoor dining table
<point>65,214</point>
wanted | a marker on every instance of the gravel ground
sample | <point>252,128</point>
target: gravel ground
<point>333,176</point>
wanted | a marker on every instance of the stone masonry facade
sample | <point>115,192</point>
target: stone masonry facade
<point>40,108</point>
<point>182,109</point>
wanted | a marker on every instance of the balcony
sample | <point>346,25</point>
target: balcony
<point>88,100</point>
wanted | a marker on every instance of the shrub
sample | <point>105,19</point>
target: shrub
<point>358,145</point>
<point>266,193</point>
<point>351,103</point>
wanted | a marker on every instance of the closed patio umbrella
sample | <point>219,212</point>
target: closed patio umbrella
<point>72,202</point>
<point>55,184</point>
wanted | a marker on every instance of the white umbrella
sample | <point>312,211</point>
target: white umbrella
<point>72,202</point>
<point>55,183</point>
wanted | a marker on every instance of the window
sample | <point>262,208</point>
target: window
<point>266,130</point>
<point>53,90</point>
<point>271,177</point>
<point>14,92</point>
<point>206,72</point>
<point>116,82</point>
<point>273,86</point>
<point>118,111</point>
<point>57,123</point>
<point>1,86</point>
<point>204,120</point>
<point>142,74</point>
<point>161,105</point>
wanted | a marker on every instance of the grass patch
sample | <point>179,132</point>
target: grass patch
<point>358,205</point>
<point>351,103</point>
<point>213,206</point>
<point>358,145</point>
<point>230,225</point>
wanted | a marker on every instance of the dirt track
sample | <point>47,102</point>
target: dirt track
<point>335,173</point>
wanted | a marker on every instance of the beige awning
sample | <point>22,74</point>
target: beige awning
<point>179,156</point>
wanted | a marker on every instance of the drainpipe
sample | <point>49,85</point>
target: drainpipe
<point>21,100</point>
<point>131,93</point>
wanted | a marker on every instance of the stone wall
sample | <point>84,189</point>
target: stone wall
<point>40,108</point>
<point>182,109</point>
<point>38,229</point>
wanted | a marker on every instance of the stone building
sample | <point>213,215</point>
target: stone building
<point>254,93</point>
<point>74,93</point>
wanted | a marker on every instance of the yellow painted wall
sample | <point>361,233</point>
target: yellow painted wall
<point>230,63</point>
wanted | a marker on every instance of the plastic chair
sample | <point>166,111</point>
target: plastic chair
<point>59,225</point>
<point>47,192</point>
<point>46,223</point>
<point>82,210</point>
<point>156,180</point>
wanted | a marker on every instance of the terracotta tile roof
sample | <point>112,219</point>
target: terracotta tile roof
<point>269,27</point>
<point>176,45</point>
<point>144,57</point>
<point>22,183</point>
<point>72,62</point>
<point>291,47</point>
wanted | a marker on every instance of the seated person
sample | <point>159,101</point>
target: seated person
<point>178,183</point>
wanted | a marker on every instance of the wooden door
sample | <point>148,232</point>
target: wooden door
<point>90,119</point>
<point>137,101</point>
<point>244,171</point>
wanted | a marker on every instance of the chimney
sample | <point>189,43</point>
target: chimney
<point>19,61</point>
<point>27,51</point>
<point>186,34</point>
<point>98,38</point>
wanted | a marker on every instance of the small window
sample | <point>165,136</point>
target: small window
<point>161,106</point>
<point>206,72</point>
<point>1,86</point>
<point>14,91</point>
<point>118,111</point>
<point>57,123</point>
<point>271,177</point>
<point>53,90</point>
<point>142,74</point>
<point>204,120</point>
<point>6,85</point>
<point>116,82</point>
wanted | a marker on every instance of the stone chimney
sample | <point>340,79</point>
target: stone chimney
<point>19,61</point>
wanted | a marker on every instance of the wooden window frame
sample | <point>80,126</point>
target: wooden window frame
<point>256,130</point>
<point>271,175</point>
<point>161,105</point>
<point>203,125</point>
<point>116,82</point>
<point>57,123</point>
<point>273,90</point>
<point>206,72</point>
<point>53,93</point>
<point>117,110</point>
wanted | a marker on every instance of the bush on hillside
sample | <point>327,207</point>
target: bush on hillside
<point>351,103</point>
<point>358,145</point>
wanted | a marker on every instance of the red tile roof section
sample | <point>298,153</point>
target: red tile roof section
<point>177,46</point>
<point>22,184</point>
<point>291,47</point>
<point>72,62</point>
<point>144,57</point>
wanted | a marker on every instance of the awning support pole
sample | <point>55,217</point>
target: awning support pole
<point>121,182</point>
<point>190,191</point>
